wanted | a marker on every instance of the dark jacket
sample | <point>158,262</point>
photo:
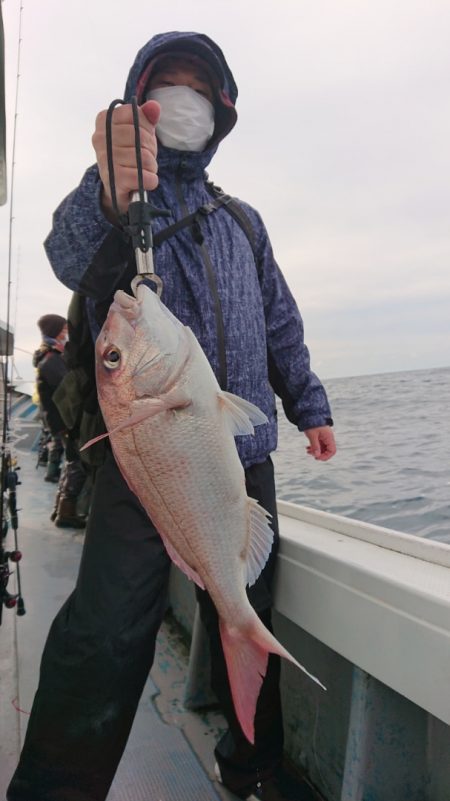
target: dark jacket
<point>206,285</point>
<point>51,369</point>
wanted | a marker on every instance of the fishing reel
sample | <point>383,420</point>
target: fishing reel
<point>5,525</point>
<point>9,518</point>
<point>6,598</point>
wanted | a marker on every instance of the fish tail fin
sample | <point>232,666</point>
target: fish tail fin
<point>246,653</point>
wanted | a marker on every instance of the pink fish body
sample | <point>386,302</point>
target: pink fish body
<point>172,431</point>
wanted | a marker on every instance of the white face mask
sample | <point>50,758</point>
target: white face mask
<point>187,118</point>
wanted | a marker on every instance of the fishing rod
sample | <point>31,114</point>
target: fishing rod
<point>8,474</point>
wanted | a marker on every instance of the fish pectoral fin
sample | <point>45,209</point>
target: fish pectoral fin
<point>181,563</point>
<point>142,412</point>
<point>176,399</point>
<point>93,441</point>
<point>260,540</point>
<point>241,414</point>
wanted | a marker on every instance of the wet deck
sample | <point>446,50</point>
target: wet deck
<point>169,755</point>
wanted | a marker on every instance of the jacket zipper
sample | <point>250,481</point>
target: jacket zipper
<point>212,283</point>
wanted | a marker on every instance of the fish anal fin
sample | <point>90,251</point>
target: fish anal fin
<point>241,414</point>
<point>260,540</point>
<point>181,563</point>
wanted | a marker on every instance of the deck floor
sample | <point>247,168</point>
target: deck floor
<point>169,755</point>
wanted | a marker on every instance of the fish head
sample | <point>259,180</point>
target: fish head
<point>139,348</point>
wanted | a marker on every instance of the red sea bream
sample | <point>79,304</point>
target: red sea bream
<point>172,431</point>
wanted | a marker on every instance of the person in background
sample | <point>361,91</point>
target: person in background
<point>50,370</point>
<point>50,367</point>
<point>235,299</point>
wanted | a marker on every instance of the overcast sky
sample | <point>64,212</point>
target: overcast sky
<point>342,143</point>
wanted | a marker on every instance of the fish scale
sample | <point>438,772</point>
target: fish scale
<point>190,502</point>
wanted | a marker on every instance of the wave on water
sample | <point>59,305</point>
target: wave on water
<point>392,467</point>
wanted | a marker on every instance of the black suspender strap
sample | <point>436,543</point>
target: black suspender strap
<point>219,198</point>
<point>237,212</point>
<point>190,220</point>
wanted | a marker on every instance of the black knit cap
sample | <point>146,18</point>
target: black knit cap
<point>51,325</point>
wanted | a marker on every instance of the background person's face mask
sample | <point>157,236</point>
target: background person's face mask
<point>187,118</point>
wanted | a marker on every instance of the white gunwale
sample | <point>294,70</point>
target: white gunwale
<point>379,598</point>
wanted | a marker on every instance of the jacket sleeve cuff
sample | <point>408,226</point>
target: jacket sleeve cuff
<point>314,421</point>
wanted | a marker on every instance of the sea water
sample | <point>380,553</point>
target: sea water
<point>392,465</point>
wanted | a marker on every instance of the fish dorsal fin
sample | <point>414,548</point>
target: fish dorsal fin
<point>180,562</point>
<point>260,541</point>
<point>241,414</point>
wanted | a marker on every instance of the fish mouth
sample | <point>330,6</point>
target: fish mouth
<point>125,305</point>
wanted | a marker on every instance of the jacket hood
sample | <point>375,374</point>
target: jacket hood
<point>39,354</point>
<point>203,47</point>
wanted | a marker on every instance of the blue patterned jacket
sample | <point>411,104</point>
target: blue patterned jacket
<point>205,284</point>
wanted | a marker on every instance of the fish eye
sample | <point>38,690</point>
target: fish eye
<point>111,358</point>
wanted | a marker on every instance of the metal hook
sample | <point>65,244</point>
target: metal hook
<point>146,278</point>
<point>144,256</point>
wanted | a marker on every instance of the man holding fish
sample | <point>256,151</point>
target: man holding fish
<point>173,483</point>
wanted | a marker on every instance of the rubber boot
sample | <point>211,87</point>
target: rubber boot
<point>54,513</point>
<point>53,473</point>
<point>42,455</point>
<point>67,516</point>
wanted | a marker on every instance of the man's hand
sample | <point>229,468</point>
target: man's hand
<point>322,444</point>
<point>124,153</point>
